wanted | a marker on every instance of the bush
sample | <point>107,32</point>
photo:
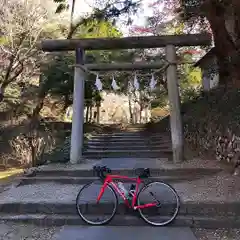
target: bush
<point>29,148</point>
<point>190,94</point>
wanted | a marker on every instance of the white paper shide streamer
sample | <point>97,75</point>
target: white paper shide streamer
<point>114,84</point>
<point>136,83</point>
<point>98,83</point>
<point>152,83</point>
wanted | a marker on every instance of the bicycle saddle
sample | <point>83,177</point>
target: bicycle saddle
<point>142,172</point>
<point>101,171</point>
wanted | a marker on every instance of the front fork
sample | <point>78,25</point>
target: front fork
<point>102,191</point>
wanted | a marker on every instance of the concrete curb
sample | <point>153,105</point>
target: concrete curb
<point>155,172</point>
<point>126,220</point>
<point>201,209</point>
<point>85,180</point>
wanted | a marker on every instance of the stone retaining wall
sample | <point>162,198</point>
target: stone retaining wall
<point>212,125</point>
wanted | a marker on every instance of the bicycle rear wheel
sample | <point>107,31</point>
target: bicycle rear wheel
<point>92,212</point>
<point>168,203</point>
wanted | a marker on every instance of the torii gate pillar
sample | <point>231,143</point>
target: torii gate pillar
<point>174,102</point>
<point>78,110</point>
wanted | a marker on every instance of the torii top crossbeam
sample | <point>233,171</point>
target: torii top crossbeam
<point>126,42</point>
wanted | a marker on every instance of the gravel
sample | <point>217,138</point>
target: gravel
<point>45,192</point>
<point>221,188</point>
<point>219,234</point>
<point>10,231</point>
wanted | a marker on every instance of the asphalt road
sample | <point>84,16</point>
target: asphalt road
<point>124,233</point>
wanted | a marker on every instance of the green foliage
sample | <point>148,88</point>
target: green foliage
<point>3,40</point>
<point>58,73</point>
<point>189,76</point>
<point>160,98</point>
<point>190,79</point>
<point>63,5</point>
<point>190,94</point>
<point>95,29</point>
<point>105,11</point>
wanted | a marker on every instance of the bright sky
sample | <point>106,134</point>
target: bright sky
<point>84,6</point>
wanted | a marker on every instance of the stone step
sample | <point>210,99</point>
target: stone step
<point>131,134</point>
<point>44,220</point>
<point>131,147</point>
<point>85,180</point>
<point>48,215</point>
<point>123,143</point>
<point>135,126</point>
<point>127,151</point>
<point>148,153</point>
<point>120,134</point>
<point>63,220</point>
<point>126,142</point>
<point>155,172</point>
<point>203,209</point>
<point>131,138</point>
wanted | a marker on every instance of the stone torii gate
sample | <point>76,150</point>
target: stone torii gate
<point>168,41</point>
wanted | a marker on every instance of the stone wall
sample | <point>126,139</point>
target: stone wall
<point>212,125</point>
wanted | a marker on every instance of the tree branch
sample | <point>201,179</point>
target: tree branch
<point>17,73</point>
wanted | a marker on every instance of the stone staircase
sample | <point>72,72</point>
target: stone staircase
<point>47,195</point>
<point>132,143</point>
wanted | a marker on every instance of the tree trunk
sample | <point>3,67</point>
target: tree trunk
<point>67,102</point>
<point>34,155</point>
<point>130,109</point>
<point>90,116</point>
<point>87,114</point>
<point>38,107</point>
<point>227,49</point>
<point>140,116</point>
<point>98,113</point>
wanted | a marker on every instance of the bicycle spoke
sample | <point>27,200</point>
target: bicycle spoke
<point>93,212</point>
<point>167,203</point>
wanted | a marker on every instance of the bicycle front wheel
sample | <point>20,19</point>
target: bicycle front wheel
<point>93,212</point>
<point>167,201</point>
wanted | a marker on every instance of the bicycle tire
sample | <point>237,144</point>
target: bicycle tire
<point>175,212</point>
<point>89,221</point>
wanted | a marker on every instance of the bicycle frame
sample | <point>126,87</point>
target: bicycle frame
<point>109,181</point>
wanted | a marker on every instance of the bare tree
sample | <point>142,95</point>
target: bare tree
<point>21,24</point>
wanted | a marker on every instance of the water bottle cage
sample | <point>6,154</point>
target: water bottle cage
<point>131,193</point>
<point>122,189</point>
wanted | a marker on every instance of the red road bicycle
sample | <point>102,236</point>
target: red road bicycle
<point>102,198</point>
